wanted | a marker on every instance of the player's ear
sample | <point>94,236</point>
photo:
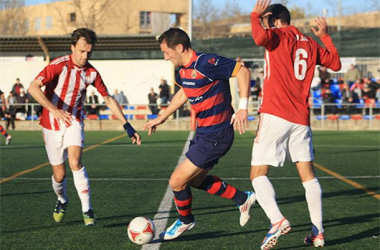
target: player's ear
<point>72,48</point>
<point>180,48</point>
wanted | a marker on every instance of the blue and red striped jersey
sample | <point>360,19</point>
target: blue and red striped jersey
<point>205,81</point>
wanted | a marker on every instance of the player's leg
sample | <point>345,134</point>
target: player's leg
<point>7,136</point>
<point>59,186</point>
<point>301,152</point>
<point>216,186</point>
<point>266,197</point>
<point>179,183</point>
<point>313,194</point>
<point>270,148</point>
<point>57,157</point>
<point>74,142</point>
<point>82,183</point>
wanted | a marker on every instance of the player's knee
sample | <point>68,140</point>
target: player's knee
<point>176,184</point>
<point>59,177</point>
<point>75,165</point>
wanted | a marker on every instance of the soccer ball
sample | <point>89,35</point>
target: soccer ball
<point>141,230</point>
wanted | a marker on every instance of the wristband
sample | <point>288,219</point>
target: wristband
<point>243,103</point>
<point>129,129</point>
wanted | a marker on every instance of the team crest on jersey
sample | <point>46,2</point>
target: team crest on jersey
<point>88,79</point>
<point>211,61</point>
<point>193,74</point>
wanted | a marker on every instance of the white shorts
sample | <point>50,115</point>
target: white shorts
<point>56,142</point>
<point>278,140</point>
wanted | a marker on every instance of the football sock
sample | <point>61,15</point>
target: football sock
<point>214,185</point>
<point>182,200</point>
<point>313,194</point>
<point>60,189</point>
<point>82,184</point>
<point>266,197</point>
<point>3,131</point>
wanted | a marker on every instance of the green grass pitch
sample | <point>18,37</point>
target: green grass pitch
<point>129,181</point>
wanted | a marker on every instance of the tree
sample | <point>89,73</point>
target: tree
<point>13,18</point>
<point>91,14</point>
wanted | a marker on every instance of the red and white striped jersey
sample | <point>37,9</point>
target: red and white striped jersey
<point>66,86</point>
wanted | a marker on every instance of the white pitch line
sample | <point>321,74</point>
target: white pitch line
<point>228,179</point>
<point>161,218</point>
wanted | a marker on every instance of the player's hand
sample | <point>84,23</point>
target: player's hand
<point>261,6</point>
<point>62,116</point>
<point>135,137</point>
<point>240,120</point>
<point>152,125</point>
<point>321,25</point>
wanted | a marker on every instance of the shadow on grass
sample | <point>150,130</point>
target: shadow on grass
<point>25,193</point>
<point>349,193</point>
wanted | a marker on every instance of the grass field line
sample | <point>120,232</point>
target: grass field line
<point>350,182</point>
<point>161,218</point>
<point>47,163</point>
<point>147,144</point>
<point>224,178</point>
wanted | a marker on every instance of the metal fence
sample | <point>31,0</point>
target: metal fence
<point>320,112</point>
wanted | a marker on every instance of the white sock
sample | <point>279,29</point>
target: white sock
<point>60,189</point>
<point>313,194</point>
<point>266,197</point>
<point>82,184</point>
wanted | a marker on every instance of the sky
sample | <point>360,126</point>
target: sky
<point>312,7</point>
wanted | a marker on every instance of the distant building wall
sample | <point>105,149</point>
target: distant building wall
<point>104,16</point>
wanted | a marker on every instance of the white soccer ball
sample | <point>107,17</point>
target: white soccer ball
<point>141,230</point>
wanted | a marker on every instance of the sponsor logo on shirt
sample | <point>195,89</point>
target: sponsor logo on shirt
<point>189,83</point>
<point>198,98</point>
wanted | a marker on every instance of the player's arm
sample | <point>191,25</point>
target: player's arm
<point>177,101</point>
<point>262,36</point>
<point>114,106</point>
<point>240,118</point>
<point>35,91</point>
<point>329,57</point>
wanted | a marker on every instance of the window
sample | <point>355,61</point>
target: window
<point>73,18</point>
<point>26,25</point>
<point>48,22</point>
<point>37,24</point>
<point>145,20</point>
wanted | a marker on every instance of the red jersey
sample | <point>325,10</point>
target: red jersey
<point>66,86</point>
<point>290,59</point>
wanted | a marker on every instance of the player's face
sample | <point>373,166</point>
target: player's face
<point>81,52</point>
<point>172,55</point>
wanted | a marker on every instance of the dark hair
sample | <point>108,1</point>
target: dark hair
<point>175,36</point>
<point>87,34</point>
<point>279,11</point>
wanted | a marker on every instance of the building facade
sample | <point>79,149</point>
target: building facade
<point>106,17</point>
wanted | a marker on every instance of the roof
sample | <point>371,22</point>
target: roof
<point>62,43</point>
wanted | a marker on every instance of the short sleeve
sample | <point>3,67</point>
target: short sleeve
<point>217,67</point>
<point>99,84</point>
<point>49,73</point>
<point>178,80</point>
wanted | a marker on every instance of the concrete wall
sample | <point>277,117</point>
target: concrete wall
<point>133,77</point>
<point>184,124</point>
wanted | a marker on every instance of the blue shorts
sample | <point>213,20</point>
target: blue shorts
<point>205,150</point>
